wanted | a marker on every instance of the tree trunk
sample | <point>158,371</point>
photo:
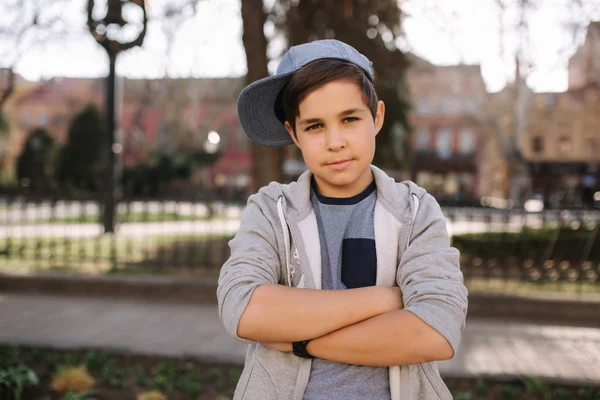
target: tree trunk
<point>10,87</point>
<point>266,162</point>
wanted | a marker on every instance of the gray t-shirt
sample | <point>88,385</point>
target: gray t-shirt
<point>348,260</point>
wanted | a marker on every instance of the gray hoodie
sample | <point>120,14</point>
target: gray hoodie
<point>278,243</point>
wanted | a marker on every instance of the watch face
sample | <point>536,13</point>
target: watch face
<point>299,349</point>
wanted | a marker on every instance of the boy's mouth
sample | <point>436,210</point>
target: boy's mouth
<point>340,164</point>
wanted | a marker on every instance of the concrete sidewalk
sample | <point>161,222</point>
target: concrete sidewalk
<point>489,347</point>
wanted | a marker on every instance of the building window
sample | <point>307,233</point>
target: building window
<point>422,140</point>
<point>564,145</point>
<point>447,105</point>
<point>591,146</point>
<point>424,179</point>
<point>470,106</point>
<point>43,119</point>
<point>242,140</point>
<point>444,143</point>
<point>537,144</point>
<point>424,106</point>
<point>550,99</point>
<point>467,141</point>
<point>58,119</point>
<point>26,118</point>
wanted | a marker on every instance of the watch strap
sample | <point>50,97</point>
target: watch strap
<point>299,349</point>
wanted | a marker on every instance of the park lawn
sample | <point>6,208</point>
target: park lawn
<point>112,254</point>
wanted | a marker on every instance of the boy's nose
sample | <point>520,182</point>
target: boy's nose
<point>335,140</point>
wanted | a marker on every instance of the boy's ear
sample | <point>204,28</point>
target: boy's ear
<point>291,132</point>
<point>379,116</point>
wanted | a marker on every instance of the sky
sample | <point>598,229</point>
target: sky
<point>443,32</point>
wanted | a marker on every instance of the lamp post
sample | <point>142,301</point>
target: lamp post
<point>101,29</point>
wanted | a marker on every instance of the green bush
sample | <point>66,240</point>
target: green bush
<point>15,378</point>
<point>70,395</point>
<point>529,244</point>
<point>536,387</point>
<point>510,391</point>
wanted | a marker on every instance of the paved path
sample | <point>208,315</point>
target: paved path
<point>489,347</point>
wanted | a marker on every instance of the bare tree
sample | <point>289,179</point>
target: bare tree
<point>174,98</point>
<point>505,117</point>
<point>266,162</point>
<point>512,105</point>
<point>26,25</point>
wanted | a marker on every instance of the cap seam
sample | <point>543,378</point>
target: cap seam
<point>292,60</point>
<point>342,51</point>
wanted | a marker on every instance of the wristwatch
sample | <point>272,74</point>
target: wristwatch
<point>299,349</point>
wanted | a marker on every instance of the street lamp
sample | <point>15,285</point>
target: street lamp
<point>101,30</point>
<point>211,145</point>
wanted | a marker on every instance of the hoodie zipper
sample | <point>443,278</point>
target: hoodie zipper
<point>404,373</point>
<point>412,220</point>
<point>296,255</point>
<point>286,241</point>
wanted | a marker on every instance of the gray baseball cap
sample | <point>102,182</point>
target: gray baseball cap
<point>257,103</point>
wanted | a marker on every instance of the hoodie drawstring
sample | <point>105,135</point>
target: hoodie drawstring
<point>286,239</point>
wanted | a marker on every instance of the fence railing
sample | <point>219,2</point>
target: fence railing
<point>501,250</point>
<point>152,236</point>
<point>555,250</point>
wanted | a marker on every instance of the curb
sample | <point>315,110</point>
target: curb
<point>559,311</point>
<point>138,287</point>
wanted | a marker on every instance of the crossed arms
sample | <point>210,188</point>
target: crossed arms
<point>377,326</point>
<point>365,326</point>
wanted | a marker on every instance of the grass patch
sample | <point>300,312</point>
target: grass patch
<point>122,377</point>
<point>169,254</point>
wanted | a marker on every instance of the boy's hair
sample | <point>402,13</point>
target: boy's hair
<point>317,74</point>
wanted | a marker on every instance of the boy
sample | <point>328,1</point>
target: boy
<point>343,283</point>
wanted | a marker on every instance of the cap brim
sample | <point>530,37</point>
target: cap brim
<point>256,111</point>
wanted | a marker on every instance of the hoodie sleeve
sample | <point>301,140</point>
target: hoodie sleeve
<point>430,277</point>
<point>253,262</point>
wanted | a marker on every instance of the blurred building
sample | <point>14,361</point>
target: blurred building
<point>156,116</point>
<point>49,105</point>
<point>11,141</point>
<point>449,143</point>
<point>560,138</point>
<point>177,115</point>
<point>584,66</point>
<point>561,145</point>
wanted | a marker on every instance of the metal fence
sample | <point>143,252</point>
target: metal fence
<point>513,250</point>
<point>170,236</point>
<point>501,250</point>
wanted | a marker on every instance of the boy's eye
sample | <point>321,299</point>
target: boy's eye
<point>313,127</point>
<point>350,119</point>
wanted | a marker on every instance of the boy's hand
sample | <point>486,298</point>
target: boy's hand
<point>283,347</point>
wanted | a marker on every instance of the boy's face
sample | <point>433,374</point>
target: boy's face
<point>335,131</point>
